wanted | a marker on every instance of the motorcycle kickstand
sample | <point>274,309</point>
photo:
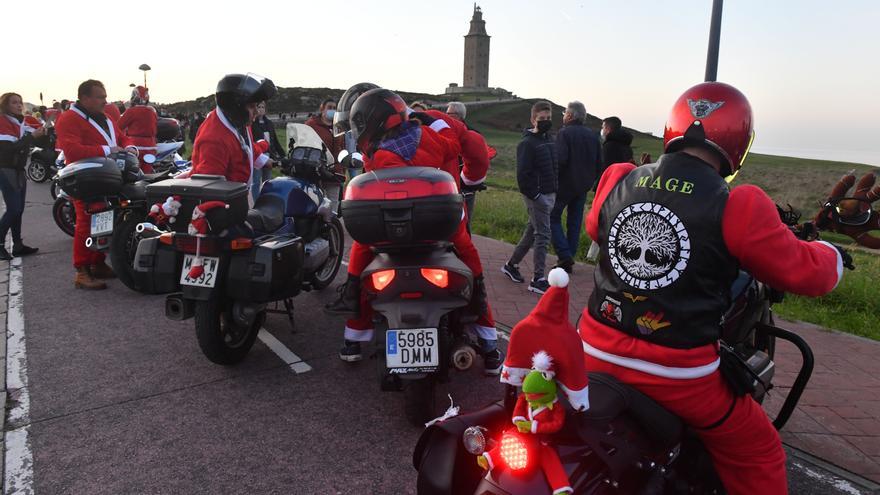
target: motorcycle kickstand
<point>288,308</point>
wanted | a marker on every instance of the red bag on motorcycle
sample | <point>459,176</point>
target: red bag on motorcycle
<point>402,205</point>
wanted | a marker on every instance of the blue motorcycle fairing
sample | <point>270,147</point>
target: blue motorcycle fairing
<point>301,197</point>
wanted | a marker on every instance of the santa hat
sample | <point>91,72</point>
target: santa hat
<point>199,227</point>
<point>547,329</point>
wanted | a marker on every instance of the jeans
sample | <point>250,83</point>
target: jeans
<point>536,233</point>
<point>260,175</point>
<point>470,200</point>
<point>566,242</point>
<point>13,185</point>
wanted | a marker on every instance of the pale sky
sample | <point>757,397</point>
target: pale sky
<point>810,68</point>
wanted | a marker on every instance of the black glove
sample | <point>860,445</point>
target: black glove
<point>422,117</point>
<point>847,259</point>
<point>465,188</point>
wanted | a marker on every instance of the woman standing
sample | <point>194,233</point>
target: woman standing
<point>16,140</point>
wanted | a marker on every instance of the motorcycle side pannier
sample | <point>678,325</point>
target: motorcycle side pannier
<point>270,271</point>
<point>402,205</point>
<point>198,189</point>
<point>91,178</point>
<point>156,267</point>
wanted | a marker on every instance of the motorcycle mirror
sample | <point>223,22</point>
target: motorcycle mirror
<point>358,159</point>
<point>149,158</point>
<point>342,156</point>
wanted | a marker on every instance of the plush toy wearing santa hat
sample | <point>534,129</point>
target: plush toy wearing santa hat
<point>165,213</point>
<point>548,329</point>
<point>199,228</point>
<point>537,413</point>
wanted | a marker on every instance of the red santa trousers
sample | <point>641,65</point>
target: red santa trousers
<point>83,256</point>
<point>745,448</point>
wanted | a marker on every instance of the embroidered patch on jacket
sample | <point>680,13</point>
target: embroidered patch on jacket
<point>610,310</point>
<point>702,108</point>
<point>634,298</point>
<point>650,322</point>
<point>648,246</point>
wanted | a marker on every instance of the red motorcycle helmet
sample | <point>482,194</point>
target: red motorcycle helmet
<point>373,114</point>
<point>713,115</point>
<point>140,96</point>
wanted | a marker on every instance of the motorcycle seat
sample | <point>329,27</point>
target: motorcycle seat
<point>135,191</point>
<point>151,178</point>
<point>267,215</point>
<point>609,398</point>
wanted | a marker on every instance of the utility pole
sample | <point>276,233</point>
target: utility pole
<point>714,41</point>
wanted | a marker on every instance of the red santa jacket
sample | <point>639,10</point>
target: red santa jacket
<point>219,149</point>
<point>474,151</point>
<point>139,123</point>
<point>544,419</point>
<point>757,238</point>
<point>435,149</point>
<point>112,112</point>
<point>79,136</point>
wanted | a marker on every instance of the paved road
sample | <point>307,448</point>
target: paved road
<point>121,400</point>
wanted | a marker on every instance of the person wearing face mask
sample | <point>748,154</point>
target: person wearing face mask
<point>536,176</point>
<point>323,125</point>
<point>616,143</point>
<point>263,128</point>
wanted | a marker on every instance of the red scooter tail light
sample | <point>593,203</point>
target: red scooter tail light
<point>514,452</point>
<point>436,276</point>
<point>382,279</point>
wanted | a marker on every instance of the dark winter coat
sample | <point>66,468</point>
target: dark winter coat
<point>262,126</point>
<point>580,160</point>
<point>536,166</point>
<point>616,148</point>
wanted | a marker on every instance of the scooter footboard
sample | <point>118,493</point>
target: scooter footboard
<point>444,466</point>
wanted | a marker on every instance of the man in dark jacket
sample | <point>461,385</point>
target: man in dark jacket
<point>615,143</point>
<point>264,128</point>
<point>536,175</point>
<point>580,160</point>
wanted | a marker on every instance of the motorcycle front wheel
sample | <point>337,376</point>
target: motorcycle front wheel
<point>123,247</point>
<point>327,272</point>
<point>64,215</point>
<point>221,339</point>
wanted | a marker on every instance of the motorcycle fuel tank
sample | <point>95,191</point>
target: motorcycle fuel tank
<point>301,197</point>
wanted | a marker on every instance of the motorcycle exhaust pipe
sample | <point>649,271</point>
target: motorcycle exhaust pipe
<point>89,242</point>
<point>147,229</point>
<point>177,308</point>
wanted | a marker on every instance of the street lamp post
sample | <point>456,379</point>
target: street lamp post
<point>145,68</point>
<point>714,41</point>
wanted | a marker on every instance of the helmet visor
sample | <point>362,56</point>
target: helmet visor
<point>742,160</point>
<point>340,122</point>
<point>258,88</point>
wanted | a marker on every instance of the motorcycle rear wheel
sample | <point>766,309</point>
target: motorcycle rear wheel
<point>64,215</point>
<point>123,247</point>
<point>37,171</point>
<point>222,340</point>
<point>418,400</point>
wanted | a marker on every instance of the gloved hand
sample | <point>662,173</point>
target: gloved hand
<point>422,117</point>
<point>845,215</point>
<point>847,259</point>
<point>465,188</point>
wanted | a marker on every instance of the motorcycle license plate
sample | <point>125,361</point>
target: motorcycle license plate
<point>206,279</point>
<point>102,223</point>
<point>416,348</point>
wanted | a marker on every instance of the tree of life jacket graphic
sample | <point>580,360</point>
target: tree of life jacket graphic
<point>648,246</point>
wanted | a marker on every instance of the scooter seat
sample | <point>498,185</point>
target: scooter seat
<point>267,215</point>
<point>609,398</point>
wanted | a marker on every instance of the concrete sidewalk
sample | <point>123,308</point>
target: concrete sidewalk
<point>838,417</point>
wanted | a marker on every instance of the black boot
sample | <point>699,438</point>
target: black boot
<point>4,254</point>
<point>479,304</point>
<point>349,300</point>
<point>21,250</point>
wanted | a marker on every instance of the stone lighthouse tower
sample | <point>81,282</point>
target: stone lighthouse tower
<point>476,53</point>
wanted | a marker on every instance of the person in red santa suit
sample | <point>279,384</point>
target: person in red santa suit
<point>139,123</point>
<point>673,236</point>
<point>380,124</point>
<point>224,144</point>
<point>85,132</point>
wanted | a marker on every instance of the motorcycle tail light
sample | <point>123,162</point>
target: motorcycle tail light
<point>474,440</point>
<point>97,207</point>
<point>242,243</point>
<point>514,452</point>
<point>436,276</point>
<point>382,279</point>
<point>190,245</point>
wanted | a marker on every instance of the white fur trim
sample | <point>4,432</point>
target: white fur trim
<point>518,418</point>
<point>563,490</point>
<point>558,278</point>
<point>839,262</point>
<point>7,137</point>
<point>542,361</point>
<point>579,399</point>
<point>471,182</point>
<point>653,368</point>
<point>489,458</point>
<point>438,125</point>
<point>534,426</point>
<point>106,150</point>
<point>515,375</point>
<point>261,160</point>
<point>355,335</point>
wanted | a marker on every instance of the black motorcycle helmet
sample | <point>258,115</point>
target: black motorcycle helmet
<point>373,114</point>
<point>236,91</point>
<point>343,107</point>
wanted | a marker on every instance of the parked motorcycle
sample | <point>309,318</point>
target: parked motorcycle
<point>289,242</point>
<point>625,442</point>
<point>416,285</point>
<point>42,161</point>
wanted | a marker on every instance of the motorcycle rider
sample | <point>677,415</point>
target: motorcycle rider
<point>139,123</point>
<point>387,139</point>
<point>224,144</point>
<point>85,132</point>
<point>673,236</point>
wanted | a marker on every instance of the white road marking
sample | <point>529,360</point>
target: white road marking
<point>842,485</point>
<point>19,468</point>
<point>295,362</point>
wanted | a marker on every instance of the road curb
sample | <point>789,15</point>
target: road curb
<point>5,268</point>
